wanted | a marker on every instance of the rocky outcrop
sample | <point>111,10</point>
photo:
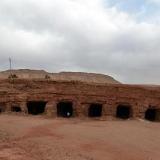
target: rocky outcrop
<point>78,98</point>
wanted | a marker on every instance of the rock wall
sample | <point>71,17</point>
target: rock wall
<point>19,92</point>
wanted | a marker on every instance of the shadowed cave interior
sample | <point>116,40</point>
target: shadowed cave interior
<point>65,109</point>
<point>152,114</point>
<point>15,109</point>
<point>95,110</point>
<point>36,107</point>
<point>123,111</point>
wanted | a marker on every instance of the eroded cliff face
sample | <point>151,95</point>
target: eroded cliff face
<point>79,99</point>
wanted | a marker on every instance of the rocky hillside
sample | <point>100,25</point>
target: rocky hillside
<point>63,76</point>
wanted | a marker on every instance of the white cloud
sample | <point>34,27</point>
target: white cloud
<point>78,35</point>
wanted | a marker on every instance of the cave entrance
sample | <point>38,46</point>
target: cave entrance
<point>36,107</point>
<point>123,111</point>
<point>95,110</point>
<point>152,114</point>
<point>65,109</point>
<point>2,108</point>
<point>15,109</point>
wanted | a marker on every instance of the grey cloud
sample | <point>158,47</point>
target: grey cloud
<point>78,36</point>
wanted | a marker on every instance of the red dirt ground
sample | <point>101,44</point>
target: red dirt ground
<point>38,138</point>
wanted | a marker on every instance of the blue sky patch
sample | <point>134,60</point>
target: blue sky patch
<point>143,10</point>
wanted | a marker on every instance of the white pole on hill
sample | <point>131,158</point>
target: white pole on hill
<point>10,63</point>
<point>10,66</point>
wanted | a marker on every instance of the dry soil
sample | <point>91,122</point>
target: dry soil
<point>38,138</point>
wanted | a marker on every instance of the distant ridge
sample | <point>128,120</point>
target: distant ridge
<point>64,76</point>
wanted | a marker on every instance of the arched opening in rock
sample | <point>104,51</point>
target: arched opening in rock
<point>152,114</point>
<point>2,107</point>
<point>15,109</point>
<point>65,109</point>
<point>123,111</point>
<point>36,107</point>
<point>95,110</point>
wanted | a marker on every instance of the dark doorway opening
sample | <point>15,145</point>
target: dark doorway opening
<point>36,107</point>
<point>2,107</point>
<point>123,111</point>
<point>15,109</point>
<point>65,109</point>
<point>95,110</point>
<point>152,114</point>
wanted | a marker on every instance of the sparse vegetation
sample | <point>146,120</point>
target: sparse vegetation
<point>12,76</point>
<point>47,77</point>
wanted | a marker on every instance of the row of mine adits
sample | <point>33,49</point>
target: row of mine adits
<point>65,109</point>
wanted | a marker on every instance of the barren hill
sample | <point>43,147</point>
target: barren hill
<point>63,76</point>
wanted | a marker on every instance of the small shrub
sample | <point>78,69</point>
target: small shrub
<point>47,77</point>
<point>13,76</point>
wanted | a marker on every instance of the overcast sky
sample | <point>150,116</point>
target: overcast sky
<point>120,38</point>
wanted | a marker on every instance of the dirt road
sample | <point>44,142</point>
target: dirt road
<point>38,138</point>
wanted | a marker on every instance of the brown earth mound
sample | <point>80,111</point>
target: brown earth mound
<point>64,76</point>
